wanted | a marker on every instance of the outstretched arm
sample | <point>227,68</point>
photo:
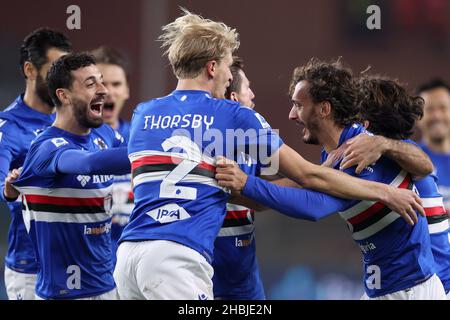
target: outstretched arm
<point>333,182</point>
<point>363,150</point>
<point>110,161</point>
<point>294,202</point>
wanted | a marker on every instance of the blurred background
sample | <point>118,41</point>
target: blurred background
<point>298,259</point>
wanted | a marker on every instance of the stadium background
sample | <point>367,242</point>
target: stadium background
<point>298,259</point>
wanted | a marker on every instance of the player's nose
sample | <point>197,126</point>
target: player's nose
<point>293,114</point>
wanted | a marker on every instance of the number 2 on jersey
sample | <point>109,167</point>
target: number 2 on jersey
<point>168,188</point>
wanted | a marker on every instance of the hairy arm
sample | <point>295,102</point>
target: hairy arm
<point>342,185</point>
<point>363,150</point>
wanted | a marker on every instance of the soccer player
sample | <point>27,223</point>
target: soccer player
<point>166,250</point>
<point>114,69</point>
<point>20,123</point>
<point>66,186</point>
<point>393,116</point>
<point>398,261</point>
<point>435,128</point>
<point>236,270</point>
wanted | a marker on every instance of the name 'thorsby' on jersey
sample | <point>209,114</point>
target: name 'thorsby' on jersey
<point>173,167</point>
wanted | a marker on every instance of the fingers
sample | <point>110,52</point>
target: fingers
<point>412,214</point>
<point>224,177</point>
<point>222,162</point>
<point>349,161</point>
<point>407,216</point>
<point>360,167</point>
<point>417,206</point>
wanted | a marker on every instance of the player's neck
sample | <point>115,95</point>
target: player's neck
<point>330,136</point>
<point>441,147</point>
<point>32,100</point>
<point>194,84</point>
<point>68,122</point>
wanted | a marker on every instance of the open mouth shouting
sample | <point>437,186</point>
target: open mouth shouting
<point>96,107</point>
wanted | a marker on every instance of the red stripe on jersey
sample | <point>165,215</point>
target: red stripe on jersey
<point>434,211</point>
<point>61,201</point>
<point>241,214</point>
<point>167,160</point>
<point>377,206</point>
<point>130,195</point>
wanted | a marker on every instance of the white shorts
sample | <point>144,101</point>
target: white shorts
<point>19,286</point>
<point>110,295</point>
<point>432,289</point>
<point>162,270</point>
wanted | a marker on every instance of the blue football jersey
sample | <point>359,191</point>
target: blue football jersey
<point>236,270</point>
<point>123,200</point>
<point>173,144</point>
<point>68,216</point>
<point>438,226</point>
<point>396,255</point>
<point>441,162</point>
<point>19,125</point>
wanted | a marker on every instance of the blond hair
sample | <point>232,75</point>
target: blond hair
<point>191,41</point>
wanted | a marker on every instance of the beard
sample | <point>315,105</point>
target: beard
<point>42,91</point>
<point>313,128</point>
<point>81,113</point>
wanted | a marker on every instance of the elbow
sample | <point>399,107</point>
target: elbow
<point>429,168</point>
<point>426,170</point>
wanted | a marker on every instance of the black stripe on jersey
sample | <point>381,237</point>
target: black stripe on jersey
<point>375,217</point>
<point>169,167</point>
<point>235,222</point>
<point>64,209</point>
<point>437,219</point>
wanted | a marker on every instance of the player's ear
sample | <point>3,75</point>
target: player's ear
<point>325,109</point>
<point>211,68</point>
<point>366,123</point>
<point>30,70</point>
<point>62,95</point>
<point>233,96</point>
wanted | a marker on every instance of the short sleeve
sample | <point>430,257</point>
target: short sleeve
<point>255,137</point>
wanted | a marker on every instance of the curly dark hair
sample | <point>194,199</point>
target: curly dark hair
<point>35,46</point>
<point>60,73</point>
<point>330,82</point>
<point>388,107</point>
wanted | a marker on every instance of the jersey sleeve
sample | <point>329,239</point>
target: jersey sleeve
<point>9,150</point>
<point>108,161</point>
<point>255,136</point>
<point>43,158</point>
<point>293,202</point>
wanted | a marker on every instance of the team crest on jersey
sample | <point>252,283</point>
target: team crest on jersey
<point>169,213</point>
<point>83,180</point>
<point>100,143</point>
<point>58,142</point>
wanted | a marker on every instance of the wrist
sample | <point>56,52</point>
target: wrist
<point>7,198</point>
<point>385,144</point>
<point>383,193</point>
